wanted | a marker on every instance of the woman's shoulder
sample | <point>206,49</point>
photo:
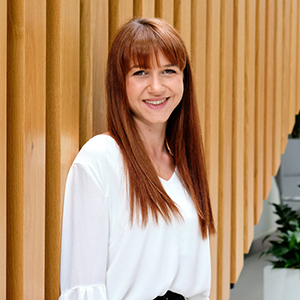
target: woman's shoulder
<point>99,149</point>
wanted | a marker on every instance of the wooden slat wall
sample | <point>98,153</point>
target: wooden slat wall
<point>225,147</point>
<point>285,73</point>
<point>249,123</point>
<point>277,102</point>
<point>293,63</point>
<point>62,139</point>
<point>269,96</point>
<point>3,44</point>
<point>211,125</point>
<point>246,63</point>
<point>238,140</point>
<point>259,107</point>
<point>298,61</point>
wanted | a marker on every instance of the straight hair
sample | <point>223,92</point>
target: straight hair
<point>137,42</point>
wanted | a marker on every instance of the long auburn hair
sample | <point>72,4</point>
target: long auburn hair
<point>137,41</point>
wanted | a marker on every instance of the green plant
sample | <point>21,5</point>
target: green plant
<point>286,247</point>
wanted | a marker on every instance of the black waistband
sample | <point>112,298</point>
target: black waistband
<point>170,296</point>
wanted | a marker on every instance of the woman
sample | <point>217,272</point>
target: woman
<point>137,213</point>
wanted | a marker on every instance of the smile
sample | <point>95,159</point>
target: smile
<point>157,102</point>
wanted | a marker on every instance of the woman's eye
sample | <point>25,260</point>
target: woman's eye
<point>139,73</point>
<point>169,71</point>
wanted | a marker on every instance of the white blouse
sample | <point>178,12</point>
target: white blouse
<point>104,257</point>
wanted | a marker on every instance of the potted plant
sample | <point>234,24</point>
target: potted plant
<point>282,280</point>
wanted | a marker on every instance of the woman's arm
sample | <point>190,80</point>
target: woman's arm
<point>84,237</point>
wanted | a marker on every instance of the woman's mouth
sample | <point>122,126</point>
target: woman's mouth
<point>156,102</point>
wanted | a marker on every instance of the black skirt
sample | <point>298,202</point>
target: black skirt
<point>170,296</point>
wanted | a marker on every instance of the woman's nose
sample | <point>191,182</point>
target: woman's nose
<point>155,84</point>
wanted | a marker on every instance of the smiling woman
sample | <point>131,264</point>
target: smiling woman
<point>154,93</point>
<point>137,213</point>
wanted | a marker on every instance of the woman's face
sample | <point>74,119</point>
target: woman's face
<point>154,93</point>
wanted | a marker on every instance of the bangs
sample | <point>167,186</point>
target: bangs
<point>147,41</point>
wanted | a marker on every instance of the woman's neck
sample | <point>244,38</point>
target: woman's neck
<point>153,137</point>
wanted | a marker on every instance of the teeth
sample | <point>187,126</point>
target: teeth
<point>156,102</point>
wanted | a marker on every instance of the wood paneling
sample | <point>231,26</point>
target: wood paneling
<point>298,61</point>
<point>165,9</point>
<point>63,31</point>
<point>249,123</point>
<point>246,64</point>
<point>225,148</point>
<point>237,218</point>
<point>93,55</point>
<point>212,120</point>
<point>15,149</point>
<point>182,20</point>
<point>119,13</point>
<point>293,64</point>
<point>285,74</point>
<point>269,96</point>
<point>198,54</point>
<point>34,149</point>
<point>26,149</point>
<point>3,49</point>
<point>277,115</point>
<point>259,108</point>
<point>144,8</point>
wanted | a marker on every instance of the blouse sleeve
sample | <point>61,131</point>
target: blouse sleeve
<point>84,237</point>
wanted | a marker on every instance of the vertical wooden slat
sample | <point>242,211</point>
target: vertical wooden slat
<point>237,218</point>
<point>26,148</point>
<point>3,44</point>
<point>293,64</point>
<point>119,13</point>
<point>34,149</point>
<point>277,115</point>
<point>93,55</point>
<point>298,61</point>
<point>144,8</point>
<point>225,149</point>
<point>182,20</point>
<point>15,149</point>
<point>198,54</point>
<point>285,74</point>
<point>165,9</point>
<point>212,121</point>
<point>259,107</point>
<point>62,138</point>
<point>269,96</point>
<point>249,123</point>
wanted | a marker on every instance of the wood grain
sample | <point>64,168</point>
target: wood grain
<point>225,147</point>
<point>269,97</point>
<point>293,64</point>
<point>164,9</point>
<point>259,107</point>
<point>182,21</point>
<point>285,74</point>
<point>93,55</point>
<point>144,8</point>
<point>34,149</point>
<point>63,31</point>
<point>298,61</point>
<point>198,54</point>
<point>237,217</point>
<point>278,56</point>
<point>15,148</point>
<point>119,13</point>
<point>3,69</point>
<point>212,122</point>
<point>249,124</point>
